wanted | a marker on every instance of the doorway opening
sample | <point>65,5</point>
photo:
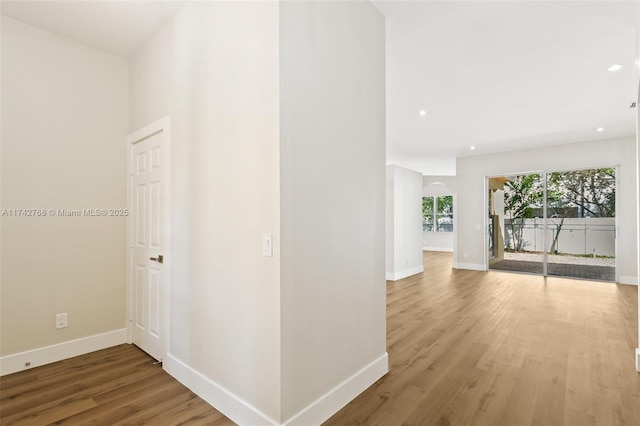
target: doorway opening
<point>439,207</point>
<point>560,223</point>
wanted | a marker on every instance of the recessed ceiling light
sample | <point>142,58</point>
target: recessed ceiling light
<point>600,129</point>
<point>472,148</point>
<point>423,112</point>
<point>615,67</point>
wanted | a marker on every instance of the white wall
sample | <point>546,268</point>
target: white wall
<point>404,222</point>
<point>389,221</point>
<point>277,126</point>
<point>472,173</point>
<point>332,187</point>
<point>437,241</point>
<point>64,126</point>
<point>213,68</point>
<point>638,178</point>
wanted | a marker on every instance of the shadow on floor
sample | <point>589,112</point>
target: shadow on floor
<point>589,272</point>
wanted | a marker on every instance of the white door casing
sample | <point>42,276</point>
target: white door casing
<point>148,257</point>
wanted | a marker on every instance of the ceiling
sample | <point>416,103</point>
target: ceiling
<point>505,75</point>
<point>496,75</point>
<point>119,27</point>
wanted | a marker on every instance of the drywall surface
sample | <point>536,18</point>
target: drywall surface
<point>213,68</point>
<point>266,99</point>
<point>437,241</point>
<point>404,194</point>
<point>333,178</point>
<point>64,127</point>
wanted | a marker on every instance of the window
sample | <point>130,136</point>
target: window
<point>428,207</point>
<point>437,214</point>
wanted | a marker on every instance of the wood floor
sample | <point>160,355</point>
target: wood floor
<point>496,348</point>
<point>465,348</point>
<point>116,386</point>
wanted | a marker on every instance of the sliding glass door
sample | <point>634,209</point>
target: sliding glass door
<point>556,223</point>
<point>515,223</point>
<point>581,224</point>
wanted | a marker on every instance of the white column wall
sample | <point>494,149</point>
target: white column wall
<point>404,224</point>
<point>277,115</point>
<point>332,90</point>
<point>213,68</point>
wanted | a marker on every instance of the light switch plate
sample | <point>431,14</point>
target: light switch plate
<point>267,245</point>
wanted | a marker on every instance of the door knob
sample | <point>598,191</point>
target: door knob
<point>159,259</point>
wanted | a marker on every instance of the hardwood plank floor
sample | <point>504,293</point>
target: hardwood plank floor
<point>495,348</point>
<point>465,348</point>
<point>115,386</point>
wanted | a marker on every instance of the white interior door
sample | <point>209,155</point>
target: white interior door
<point>148,238</point>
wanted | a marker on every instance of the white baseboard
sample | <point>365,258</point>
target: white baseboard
<point>331,402</point>
<point>243,413</point>
<point>222,399</point>
<point>445,249</point>
<point>471,266</point>
<point>394,276</point>
<point>48,354</point>
<point>628,280</point>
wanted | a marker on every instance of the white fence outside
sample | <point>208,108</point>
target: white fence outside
<point>582,236</point>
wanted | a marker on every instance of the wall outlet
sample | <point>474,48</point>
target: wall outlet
<point>61,320</point>
<point>466,255</point>
<point>638,360</point>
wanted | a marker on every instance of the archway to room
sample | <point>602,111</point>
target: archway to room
<point>439,206</point>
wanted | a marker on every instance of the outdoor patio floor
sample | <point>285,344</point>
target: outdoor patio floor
<point>589,272</point>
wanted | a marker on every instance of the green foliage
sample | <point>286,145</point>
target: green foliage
<point>427,214</point>
<point>521,195</point>
<point>445,204</point>
<point>592,191</point>
<point>427,206</point>
<point>438,217</point>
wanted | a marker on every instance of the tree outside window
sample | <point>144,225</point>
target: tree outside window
<point>428,208</point>
<point>437,214</point>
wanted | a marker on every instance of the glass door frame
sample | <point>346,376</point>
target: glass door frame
<point>544,174</point>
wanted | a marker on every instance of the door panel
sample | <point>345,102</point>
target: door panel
<point>140,297</point>
<point>148,234</point>
<point>140,213</point>
<point>154,215</point>
<point>154,302</point>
